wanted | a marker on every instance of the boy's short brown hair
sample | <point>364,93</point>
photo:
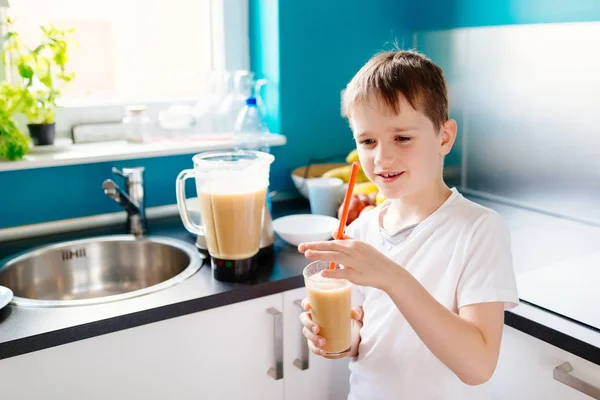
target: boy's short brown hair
<point>388,74</point>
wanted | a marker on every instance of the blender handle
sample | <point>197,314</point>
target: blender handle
<point>181,203</point>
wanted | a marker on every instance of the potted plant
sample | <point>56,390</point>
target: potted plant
<point>40,75</point>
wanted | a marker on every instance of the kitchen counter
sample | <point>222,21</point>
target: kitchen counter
<point>24,330</point>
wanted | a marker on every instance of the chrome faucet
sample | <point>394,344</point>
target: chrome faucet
<point>133,200</point>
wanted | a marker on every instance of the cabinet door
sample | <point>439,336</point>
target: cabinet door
<point>308,376</point>
<point>223,353</point>
<point>526,368</point>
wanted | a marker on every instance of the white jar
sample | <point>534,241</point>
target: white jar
<point>137,124</point>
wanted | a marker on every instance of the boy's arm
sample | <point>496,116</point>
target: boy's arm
<point>468,342</point>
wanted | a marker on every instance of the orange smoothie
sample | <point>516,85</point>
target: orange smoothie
<point>233,223</point>
<point>331,305</point>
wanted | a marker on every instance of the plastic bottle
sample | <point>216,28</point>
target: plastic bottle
<point>251,132</point>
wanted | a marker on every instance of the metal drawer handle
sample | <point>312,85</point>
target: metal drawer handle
<point>276,372</point>
<point>302,363</point>
<point>562,373</point>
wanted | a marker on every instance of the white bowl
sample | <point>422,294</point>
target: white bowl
<point>6,296</point>
<point>299,228</point>
<point>314,171</point>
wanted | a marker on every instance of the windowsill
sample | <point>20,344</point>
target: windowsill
<point>122,103</point>
<point>121,150</point>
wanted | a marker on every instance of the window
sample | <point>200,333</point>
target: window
<point>127,49</point>
<point>138,51</point>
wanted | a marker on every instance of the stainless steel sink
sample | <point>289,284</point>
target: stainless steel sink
<point>98,270</point>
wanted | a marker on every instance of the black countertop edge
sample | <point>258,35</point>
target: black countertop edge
<point>89,330</point>
<point>556,338</point>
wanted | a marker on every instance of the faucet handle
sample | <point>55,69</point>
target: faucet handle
<point>117,171</point>
<point>132,175</point>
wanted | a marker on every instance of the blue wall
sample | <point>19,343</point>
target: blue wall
<point>308,50</point>
<point>48,194</point>
<point>264,50</point>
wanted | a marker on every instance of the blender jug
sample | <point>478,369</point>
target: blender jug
<point>231,188</point>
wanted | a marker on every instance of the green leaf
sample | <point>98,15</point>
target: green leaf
<point>25,71</point>
<point>46,80</point>
<point>13,143</point>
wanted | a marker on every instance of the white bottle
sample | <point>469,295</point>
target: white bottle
<point>250,131</point>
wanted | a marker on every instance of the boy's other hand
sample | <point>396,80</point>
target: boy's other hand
<point>311,330</point>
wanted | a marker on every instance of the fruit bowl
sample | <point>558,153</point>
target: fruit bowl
<point>314,171</point>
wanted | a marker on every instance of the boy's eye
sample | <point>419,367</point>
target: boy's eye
<point>367,141</point>
<point>402,139</point>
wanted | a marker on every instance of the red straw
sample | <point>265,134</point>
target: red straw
<point>346,206</point>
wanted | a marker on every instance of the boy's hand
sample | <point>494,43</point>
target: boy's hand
<point>363,264</point>
<point>311,330</point>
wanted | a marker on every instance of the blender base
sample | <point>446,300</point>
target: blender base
<point>234,270</point>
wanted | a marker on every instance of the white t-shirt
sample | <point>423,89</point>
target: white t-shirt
<point>461,254</point>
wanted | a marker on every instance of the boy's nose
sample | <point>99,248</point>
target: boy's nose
<point>384,157</point>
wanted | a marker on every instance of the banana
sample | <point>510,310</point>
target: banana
<point>365,188</point>
<point>352,156</point>
<point>344,174</point>
<point>360,176</point>
<point>340,172</point>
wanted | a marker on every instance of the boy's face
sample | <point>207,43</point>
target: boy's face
<point>401,153</point>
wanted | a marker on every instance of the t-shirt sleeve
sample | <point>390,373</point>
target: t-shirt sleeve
<point>488,274</point>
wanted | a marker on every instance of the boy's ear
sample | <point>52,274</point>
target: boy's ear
<point>447,136</point>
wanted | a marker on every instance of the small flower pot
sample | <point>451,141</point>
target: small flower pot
<point>42,134</point>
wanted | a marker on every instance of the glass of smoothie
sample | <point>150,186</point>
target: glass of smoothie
<point>331,306</point>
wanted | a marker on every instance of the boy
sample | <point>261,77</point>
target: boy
<point>433,270</point>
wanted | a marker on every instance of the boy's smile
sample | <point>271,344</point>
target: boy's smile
<point>388,176</point>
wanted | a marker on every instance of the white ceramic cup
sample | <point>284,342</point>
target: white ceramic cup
<point>325,195</point>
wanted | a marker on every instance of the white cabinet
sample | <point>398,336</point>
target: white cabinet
<point>222,353</point>
<point>320,378</point>
<point>526,366</point>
